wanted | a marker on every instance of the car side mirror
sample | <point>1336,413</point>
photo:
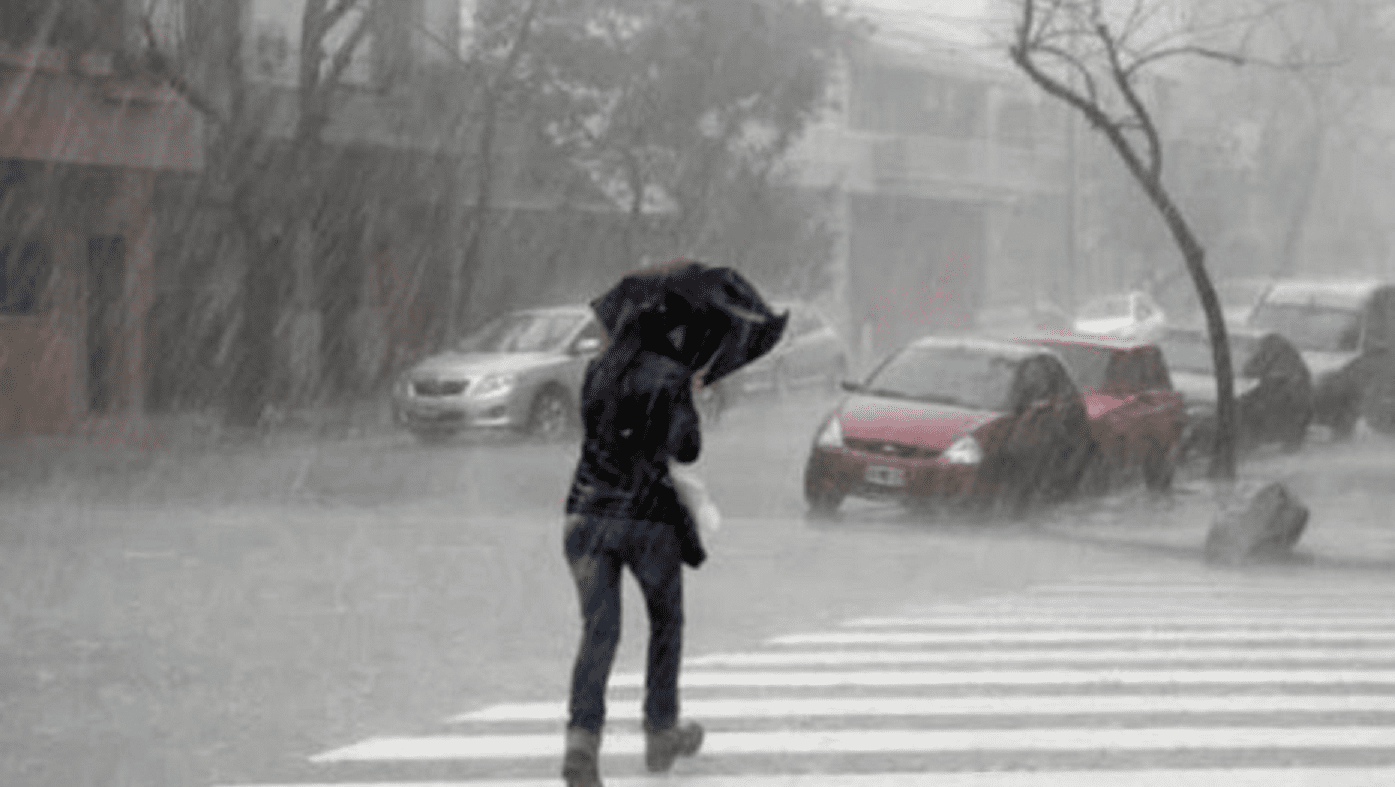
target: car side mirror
<point>589,344</point>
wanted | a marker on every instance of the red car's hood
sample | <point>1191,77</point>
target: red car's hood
<point>929,425</point>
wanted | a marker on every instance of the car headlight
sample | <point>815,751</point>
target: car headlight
<point>493,385</point>
<point>964,451</point>
<point>831,436</point>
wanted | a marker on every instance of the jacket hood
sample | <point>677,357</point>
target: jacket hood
<point>930,425</point>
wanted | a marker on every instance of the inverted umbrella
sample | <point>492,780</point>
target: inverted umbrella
<point>701,315</point>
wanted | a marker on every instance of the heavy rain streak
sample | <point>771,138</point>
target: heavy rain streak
<point>775,393</point>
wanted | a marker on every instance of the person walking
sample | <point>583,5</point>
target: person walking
<point>667,327</point>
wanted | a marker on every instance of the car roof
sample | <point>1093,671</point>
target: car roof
<point>1084,340</point>
<point>1002,348</point>
<point>1336,293</point>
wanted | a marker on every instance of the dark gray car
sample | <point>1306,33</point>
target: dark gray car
<point>809,354</point>
<point>1345,330</point>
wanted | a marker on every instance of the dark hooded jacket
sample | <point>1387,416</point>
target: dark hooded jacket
<point>637,411</point>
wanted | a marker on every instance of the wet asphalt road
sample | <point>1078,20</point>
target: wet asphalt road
<point>194,617</point>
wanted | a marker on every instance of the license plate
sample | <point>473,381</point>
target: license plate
<point>885,476</point>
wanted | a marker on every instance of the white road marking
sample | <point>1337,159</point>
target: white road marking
<point>954,706</point>
<point>1266,591</point>
<point>462,747</point>
<point>1077,619</point>
<point>1044,677</point>
<point>1201,777</point>
<point>1053,656</point>
<point>1082,635</point>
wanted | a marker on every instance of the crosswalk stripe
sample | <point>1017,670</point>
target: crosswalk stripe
<point>1138,671</point>
<point>1275,592</point>
<point>1056,656</point>
<point>854,741</point>
<point>1081,635</point>
<point>1200,608</point>
<point>770,707</point>
<point>693,679</point>
<point>1078,619</point>
<point>1199,777</point>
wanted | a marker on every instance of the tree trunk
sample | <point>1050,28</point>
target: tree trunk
<point>1223,452</point>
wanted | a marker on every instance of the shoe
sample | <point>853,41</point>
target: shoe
<point>663,747</point>
<point>580,764</point>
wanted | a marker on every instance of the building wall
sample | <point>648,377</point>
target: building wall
<point>80,142</point>
<point>78,349</point>
<point>917,267</point>
<point>951,178</point>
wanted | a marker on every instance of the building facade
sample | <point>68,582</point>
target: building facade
<point>85,131</point>
<point>949,178</point>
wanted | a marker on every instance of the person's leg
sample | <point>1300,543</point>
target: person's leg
<point>657,563</point>
<point>596,571</point>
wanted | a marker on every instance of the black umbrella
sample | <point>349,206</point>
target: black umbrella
<point>701,315</point>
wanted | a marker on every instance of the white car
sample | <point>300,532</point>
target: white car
<point>1128,315</point>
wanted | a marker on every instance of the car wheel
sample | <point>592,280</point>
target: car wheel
<point>1159,467</point>
<point>1344,422</point>
<point>1378,405</point>
<point>550,417</point>
<point>821,494</point>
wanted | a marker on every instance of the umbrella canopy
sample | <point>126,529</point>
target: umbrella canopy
<point>700,315</point>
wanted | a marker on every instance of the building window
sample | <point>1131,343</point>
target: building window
<point>905,101</point>
<point>25,268</point>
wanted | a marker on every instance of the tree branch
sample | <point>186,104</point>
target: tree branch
<point>333,14</point>
<point>345,54</point>
<point>1198,51</point>
<point>162,66</point>
<point>1124,83</point>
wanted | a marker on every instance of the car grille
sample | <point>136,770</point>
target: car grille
<point>439,387</point>
<point>887,448</point>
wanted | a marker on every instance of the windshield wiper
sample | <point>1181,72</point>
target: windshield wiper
<point>938,399</point>
<point>886,392</point>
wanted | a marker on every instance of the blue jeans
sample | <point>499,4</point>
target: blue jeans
<point>597,548</point>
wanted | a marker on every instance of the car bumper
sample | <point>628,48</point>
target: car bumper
<point>445,413</point>
<point>845,471</point>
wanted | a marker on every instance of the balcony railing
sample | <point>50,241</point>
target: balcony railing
<point>928,166</point>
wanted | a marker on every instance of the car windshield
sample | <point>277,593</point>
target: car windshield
<point>1105,308</point>
<point>1311,327</point>
<point>947,375</point>
<point>522,332</point>
<point>1191,352</point>
<point>1088,366</point>
<point>1233,294</point>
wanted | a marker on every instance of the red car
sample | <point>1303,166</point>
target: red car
<point>1136,418</point>
<point>954,419</point>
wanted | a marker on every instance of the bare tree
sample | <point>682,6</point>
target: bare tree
<point>497,68</point>
<point>1099,64</point>
<point>1335,54</point>
<point>270,190</point>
